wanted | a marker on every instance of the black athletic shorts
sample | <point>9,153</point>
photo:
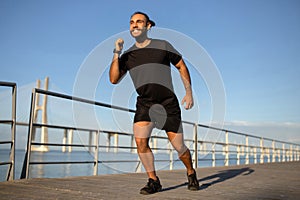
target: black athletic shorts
<point>165,116</point>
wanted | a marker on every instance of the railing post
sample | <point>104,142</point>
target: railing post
<point>195,145</point>
<point>25,170</point>
<point>202,149</point>
<point>298,153</point>
<point>294,153</point>
<point>70,139</point>
<point>11,168</point>
<point>116,142</point>
<point>213,155</point>
<point>171,155</point>
<point>262,151</point>
<point>138,168</point>
<point>64,140</point>
<point>11,171</point>
<point>226,149</point>
<point>288,153</point>
<point>155,145</point>
<point>273,152</point>
<point>255,155</point>
<point>291,153</point>
<point>247,150</point>
<point>108,142</point>
<point>283,152</point>
<point>96,154</point>
<point>278,154</point>
<point>268,154</point>
<point>238,149</point>
<point>90,141</point>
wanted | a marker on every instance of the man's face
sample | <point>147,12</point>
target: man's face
<point>138,25</point>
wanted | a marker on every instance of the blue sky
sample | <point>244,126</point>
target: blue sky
<point>254,44</point>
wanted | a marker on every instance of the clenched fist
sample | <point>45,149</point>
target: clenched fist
<point>119,44</point>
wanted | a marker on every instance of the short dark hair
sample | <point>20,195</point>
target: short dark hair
<point>146,16</point>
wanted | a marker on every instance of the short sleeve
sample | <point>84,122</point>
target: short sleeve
<point>173,54</point>
<point>122,63</point>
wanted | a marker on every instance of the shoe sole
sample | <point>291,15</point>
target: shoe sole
<point>146,193</point>
<point>193,189</point>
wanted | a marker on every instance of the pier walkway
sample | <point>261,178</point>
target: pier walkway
<point>260,181</point>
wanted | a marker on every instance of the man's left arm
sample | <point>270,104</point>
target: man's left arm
<point>186,79</point>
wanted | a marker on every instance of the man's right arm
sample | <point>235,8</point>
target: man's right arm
<point>115,73</point>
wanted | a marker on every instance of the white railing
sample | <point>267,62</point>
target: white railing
<point>259,151</point>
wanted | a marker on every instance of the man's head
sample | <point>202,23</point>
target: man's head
<point>140,23</point>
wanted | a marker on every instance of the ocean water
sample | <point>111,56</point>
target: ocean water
<point>111,163</point>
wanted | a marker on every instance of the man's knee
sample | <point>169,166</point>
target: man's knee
<point>142,129</point>
<point>177,142</point>
<point>179,146</point>
<point>181,149</point>
<point>142,145</point>
<point>184,154</point>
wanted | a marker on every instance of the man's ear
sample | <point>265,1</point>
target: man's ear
<point>148,26</point>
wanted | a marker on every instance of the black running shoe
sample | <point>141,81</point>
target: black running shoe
<point>193,182</point>
<point>151,187</point>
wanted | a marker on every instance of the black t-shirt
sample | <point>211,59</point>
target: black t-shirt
<point>150,71</point>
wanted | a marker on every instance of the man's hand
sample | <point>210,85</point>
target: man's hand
<point>119,44</point>
<point>115,74</point>
<point>188,101</point>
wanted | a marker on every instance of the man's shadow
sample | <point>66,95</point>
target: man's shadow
<point>221,176</point>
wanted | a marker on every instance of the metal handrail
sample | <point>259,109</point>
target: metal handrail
<point>239,133</point>
<point>78,99</point>
<point>11,169</point>
<point>283,153</point>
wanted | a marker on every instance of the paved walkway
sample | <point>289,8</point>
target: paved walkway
<point>262,181</point>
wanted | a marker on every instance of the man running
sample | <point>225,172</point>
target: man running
<point>148,62</point>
